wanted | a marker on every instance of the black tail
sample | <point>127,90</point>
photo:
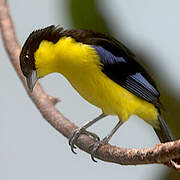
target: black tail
<point>164,134</point>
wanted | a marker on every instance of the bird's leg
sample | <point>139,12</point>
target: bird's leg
<point>82,130</point>
<point>104,141</point>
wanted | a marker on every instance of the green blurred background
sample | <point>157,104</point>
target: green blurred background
<point>30,147</point>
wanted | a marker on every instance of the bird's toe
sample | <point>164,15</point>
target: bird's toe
<point>96,146</point>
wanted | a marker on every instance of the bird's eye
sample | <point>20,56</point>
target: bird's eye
<point>27,56</point>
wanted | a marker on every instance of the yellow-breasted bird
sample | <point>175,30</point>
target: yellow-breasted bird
<point>102,70</point>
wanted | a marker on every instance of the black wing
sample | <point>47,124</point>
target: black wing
<point>127,74</point>
<point>119,64</point>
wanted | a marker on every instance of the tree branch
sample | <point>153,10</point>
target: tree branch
<point>161,153</point>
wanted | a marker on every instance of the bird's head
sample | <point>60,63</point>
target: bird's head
<point>28,61</point>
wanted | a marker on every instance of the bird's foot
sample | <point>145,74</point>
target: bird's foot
<point>73,139</point>
<point>96,146</point>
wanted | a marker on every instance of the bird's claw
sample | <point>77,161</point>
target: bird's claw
<point>96,146</point>
<point>73,139</point>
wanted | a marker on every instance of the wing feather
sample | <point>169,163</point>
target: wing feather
<point>119,64</point>
<point>128,75</point>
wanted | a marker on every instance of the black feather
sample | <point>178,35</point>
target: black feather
<point>163,131</point>
<point>129,74</point>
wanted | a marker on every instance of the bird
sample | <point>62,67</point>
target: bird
<point>102,70</point>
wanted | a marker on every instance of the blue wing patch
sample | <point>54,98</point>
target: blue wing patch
<point>107,57</point>
<point>129,74</point>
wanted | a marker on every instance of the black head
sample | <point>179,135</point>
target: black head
<point>27,60</point>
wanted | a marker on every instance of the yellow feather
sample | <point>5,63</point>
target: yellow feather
<point>80,64</point>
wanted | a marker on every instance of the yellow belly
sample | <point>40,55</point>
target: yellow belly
<point>113,99</point>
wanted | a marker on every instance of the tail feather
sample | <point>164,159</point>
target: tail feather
<point>164,134</point>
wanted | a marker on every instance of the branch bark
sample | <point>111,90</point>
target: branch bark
<point>161,153</point>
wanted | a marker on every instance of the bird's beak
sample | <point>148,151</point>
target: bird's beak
<point>31,80</point>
